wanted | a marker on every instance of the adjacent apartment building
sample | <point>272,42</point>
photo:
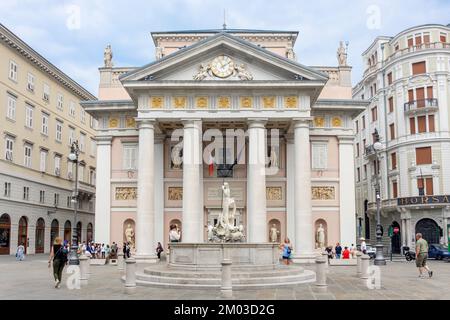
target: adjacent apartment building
<point>40,117</point>
<point>407,81</point>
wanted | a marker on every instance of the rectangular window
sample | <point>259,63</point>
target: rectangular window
<point>412,125</point>
<point>365,172</point>
<point>389,78</point>
<point>30,83</point>
<point>46,93</point>
<point>363,120</point>
<point>43,162</point>
<point>374,114</point>
<point>443,38</point>
<point>319,156</point>
<point>423,156</point>
<point>392,131</point>
<point>56,199</point>
<point>420,97</point>
<point>82,142</point>
<point>426,38</point>
<point>60,101</point>
<point>71,135</point>
<point>69,170</point>
<point>419,67</point>
<point>393,161</point>
<point>422,124</point>
<point>81,173</point>
<point>410,42</point>
<point>391,104</point>
<point>58,131</point>
<point>11,111</point>
<point>42,196</point>
<point>93,147</point>
<point>394,189</point>
<point>69,202</point>
<point>12,70</point>
<point>431,123</point>
<point>418,40</point>
<point>29,116</point>
<point>26,193</point>
<point>83,116</point>
<point>92,177</point>
<point>357,149</point>
<point>430,92</point>
<point>358,174</point>
<point>44,127</point>
<point>425,186</point>
<point>357,126</point>
<point>27,156</point>
<point>9,149</point>
<point>410,95</point>
<point>72,108</point>
<point>7,192</point>
<point>130,153</point>
<point>58,165</point>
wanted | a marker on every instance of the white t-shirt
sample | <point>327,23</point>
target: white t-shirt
<point>363,246</point>
<point>174,235</point>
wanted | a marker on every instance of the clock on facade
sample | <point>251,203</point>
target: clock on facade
<point>222,66</point>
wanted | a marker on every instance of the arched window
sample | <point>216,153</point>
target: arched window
<point>5,233</point>
<point>429,229</point>
<point>40,236</point>
<point>89,233</point>
<point>54,231</point>
<point>23,233</point>
<point>79,225</point>
<point>68,231</point>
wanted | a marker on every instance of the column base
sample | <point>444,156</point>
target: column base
<point>146,258</point>
<point>305,258</point>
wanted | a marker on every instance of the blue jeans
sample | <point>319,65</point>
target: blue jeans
<point>338,255</point>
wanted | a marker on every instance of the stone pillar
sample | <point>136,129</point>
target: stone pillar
<point>347,205</point>
<point>304,235</point>
<point>159,192</point>
<point>358,263</point>
<point>192,216</point>
<point>406,217</point>
<point>327,261</point>
<point>403,231</point>
<point>103,194</point>
<point>120,261</point>
<point>321,275</point>
<point>256,181</point>
<point>226,288</point>
<point>290,190</point>
<point>130,273</point>
<point>84,269</point>
<point>145,221</point>
<point>365,266</point>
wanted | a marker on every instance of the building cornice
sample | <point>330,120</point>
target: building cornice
<point>11,40</point>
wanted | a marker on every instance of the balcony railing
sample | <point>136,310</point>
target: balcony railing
<point>369,151</point>
<point>424,104</point>
<point>422,46</point>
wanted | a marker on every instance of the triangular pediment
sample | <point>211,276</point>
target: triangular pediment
<point>227,58</point>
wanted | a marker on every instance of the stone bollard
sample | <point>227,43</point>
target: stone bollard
<point>358,263</point>
<point>84,269</point>
<point>226,288</point>
<point>130,274</point>
<point>327,261</point>
<point>120,261</point>
<point>321,276</point>
<point>365,266</point>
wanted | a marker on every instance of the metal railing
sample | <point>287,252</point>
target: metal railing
<point>421,103</point>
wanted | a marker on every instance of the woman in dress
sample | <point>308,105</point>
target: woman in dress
<point>286,248</point>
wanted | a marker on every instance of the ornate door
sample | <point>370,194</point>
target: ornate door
<point>5,233</point>
<point>429,229</point>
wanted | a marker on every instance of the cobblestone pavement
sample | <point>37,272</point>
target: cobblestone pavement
<point>32,279</point>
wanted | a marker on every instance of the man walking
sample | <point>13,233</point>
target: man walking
<point>422,255</point>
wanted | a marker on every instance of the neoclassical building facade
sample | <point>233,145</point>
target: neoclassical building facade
<point>407,83</point>
<point>293,169</point>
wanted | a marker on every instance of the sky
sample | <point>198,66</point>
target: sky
<point>72,34</point>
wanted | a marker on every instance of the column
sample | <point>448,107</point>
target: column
<point>403,232</point>
<point>159,191</point>
<point>145,221</point>
<point>192,216</point>
<point>256,181</point>
<point>304,236</point>
<point>103,194</point>
<point>406,217</point>
<point>290,190</point>
<point>347,210</point>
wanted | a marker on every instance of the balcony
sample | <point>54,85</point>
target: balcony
<point>370,152</point>
<point>420,47</point>
<point>421,106</point>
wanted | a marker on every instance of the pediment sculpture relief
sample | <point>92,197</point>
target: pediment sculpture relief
<point>222,67</point>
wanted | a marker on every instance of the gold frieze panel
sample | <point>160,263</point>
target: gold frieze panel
<point>175,193</point>
<point>126,193</point>
<point>274,193</point>
<point>323,193</point>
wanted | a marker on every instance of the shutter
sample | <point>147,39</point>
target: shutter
<point>410,42</point>
<point>430,92</point>
<point>394,161</point>
<point>422,124</point>
<point>426,38</point>
<point>392,131</point>
<point>420,97</point>
<point>389,77</point>
<point>418,40</point>
<point>410,95</point>
<point>423,155</point>
<point>429,186</point>
<point>443,38</point>
<point>419,67</point>
<point>394,189</point>
<point>431,123</point>
<point>412,125</point>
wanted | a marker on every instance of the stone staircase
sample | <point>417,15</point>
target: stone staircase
<point>163,277</point>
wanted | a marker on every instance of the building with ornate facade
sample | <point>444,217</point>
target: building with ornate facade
<point>40,116</point>
<point>407,82</point>
<point>293,171</point>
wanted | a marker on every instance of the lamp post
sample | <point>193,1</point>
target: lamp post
<point>73,156</point>
<point>379,258</point>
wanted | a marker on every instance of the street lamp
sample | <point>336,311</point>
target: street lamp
<point>73,156</point>
<point>379,258</point>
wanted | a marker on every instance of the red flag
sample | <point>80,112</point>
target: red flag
<point>211,165</point>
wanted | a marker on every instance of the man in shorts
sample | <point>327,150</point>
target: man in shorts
<point>422,256</point>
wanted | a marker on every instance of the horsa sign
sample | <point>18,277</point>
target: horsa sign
<point>423,200</point>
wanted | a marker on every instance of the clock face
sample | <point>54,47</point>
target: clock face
<point>222,66</point>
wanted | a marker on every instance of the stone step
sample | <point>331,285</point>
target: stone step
<point>306,276</point>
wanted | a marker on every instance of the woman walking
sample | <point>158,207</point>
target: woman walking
<point>286,247</point>
<point>20,253</point>
<point>58,254</point>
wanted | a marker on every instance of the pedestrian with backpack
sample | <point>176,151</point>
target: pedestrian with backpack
<point>58,254</point>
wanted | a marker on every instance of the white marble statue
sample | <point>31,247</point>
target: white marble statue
<point>273,158</point>
<point>159,53</point>
<point>210,232</point>
<point>177,160</point>
<point>320,236</point>
<point>342,55</point>
<point>227,218</point>
<point>202,72</point>
<point>242,73</point>
<point>129,235</point>
<point>274,233</point>
<point>107,56</point>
